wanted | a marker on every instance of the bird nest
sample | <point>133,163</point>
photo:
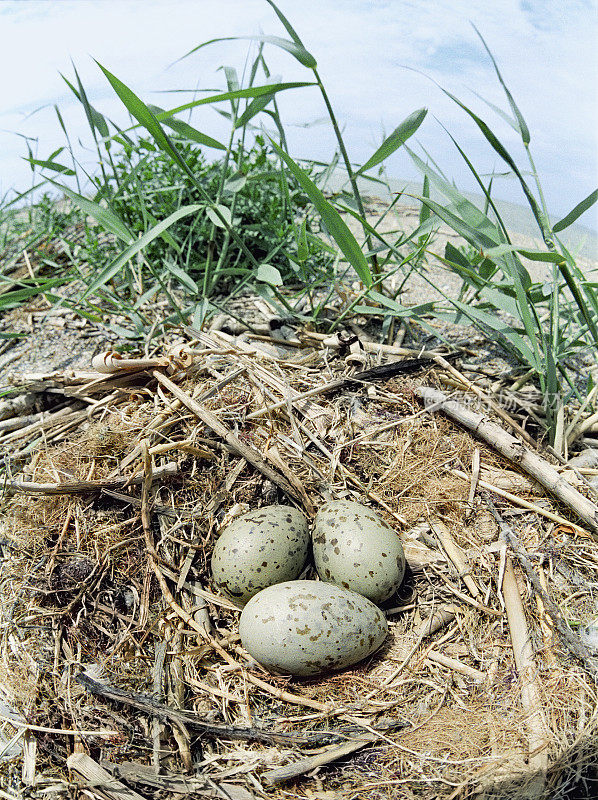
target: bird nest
<point>121,667</point>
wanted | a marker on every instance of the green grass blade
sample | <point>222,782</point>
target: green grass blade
<point>187,131</point>
<point>118,263</point>
<point>469,213</point>
<point>497,110</point>
<point>287,25</point>
<point>521,123</point>
<point>107,218</point>
<point>331,218</point>
<point>392,305</point>
<point>144,116</point>
<point>471,234</point>
<point>488,201</point>
<point>296,50</point>
<point>17,296</point>
<point>425,211</point>
<point>183,278</point>
<point>303,56</point>
<point>255,91</point>
<point>95,120</point>
<point>253,109</point>
<point>506,156</point>
<point>575,213</point>
<point>21,195</point>
<point>525,352</point>
<point>396,139</point>
<point>49,164</point>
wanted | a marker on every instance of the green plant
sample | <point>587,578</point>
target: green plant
<point>191,227</point>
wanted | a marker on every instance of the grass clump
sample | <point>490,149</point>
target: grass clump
<point>191,227</point>
<point>147,186</point>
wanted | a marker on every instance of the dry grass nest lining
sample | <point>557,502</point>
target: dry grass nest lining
<point>117,581</point>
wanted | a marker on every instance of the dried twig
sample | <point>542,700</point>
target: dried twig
<point>100,779</point>
<point>79,487</point>
<point>303,765</point>
<point>215,425</point>
<point>512,449</point>
<point>149,706</point>
<point>571,640</point>
<point>526,667</point>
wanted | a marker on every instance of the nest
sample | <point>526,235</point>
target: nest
<point>121,668</point>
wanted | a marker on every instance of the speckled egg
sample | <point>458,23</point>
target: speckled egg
<point>357,550</point>
<point>258,549</point>
<point>308,627</point>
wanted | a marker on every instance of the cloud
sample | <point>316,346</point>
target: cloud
<point>546,57</point>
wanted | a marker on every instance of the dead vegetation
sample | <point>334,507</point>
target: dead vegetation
<point>121,671</point>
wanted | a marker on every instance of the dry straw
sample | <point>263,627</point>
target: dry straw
<point>122,670</point>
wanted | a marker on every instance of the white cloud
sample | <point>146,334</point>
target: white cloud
<point>546,57</point>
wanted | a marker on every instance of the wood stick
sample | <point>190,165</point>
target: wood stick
<point>17,406</point>
<point>151,707</point>
<point>380,373</point>
<point>519,501</point>
<point>78,487</point>
<point>511,448</point>
<point>527,670</point>
<point>171,783</point>
<point>303,765</point>
<point>569,637</point>
<point>485,398</point>
<point>455,556</point>
<point>214,424</point>
<point>458,666</point>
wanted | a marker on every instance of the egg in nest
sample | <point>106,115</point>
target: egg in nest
<point>308,627</point>
<point>258,549</point>
<point>354,548</point>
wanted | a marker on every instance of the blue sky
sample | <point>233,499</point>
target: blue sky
<point>545,49</point>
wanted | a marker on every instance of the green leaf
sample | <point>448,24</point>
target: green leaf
<point>302,246</point>
<point>501,328</point>
<point>110,271</point>
<point>186,131</point>
<point>295,49</point>
<point>235,183</point>
<point>253,109</point>
<point>17,296</point>
<point>579,209</point>
<point>107,218</point>
<point>502,114</point>
<point>216,214</point>
<point>331,219</point>
<point>143,115</point>
<point>424,211</point>
<point>397,309</point>
<point>288,27</point>
<point>255,91</point>
<point>470,214</point>
<point>183,278</point>
<point>53,165</point>
<point>522,125</point>
<point>269,274</point>
<point>506,156</point>
<point>473,235</point>
<point>397,138</point>
<point>95,120</point>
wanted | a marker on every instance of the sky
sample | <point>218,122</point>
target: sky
<point>377,58</point>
